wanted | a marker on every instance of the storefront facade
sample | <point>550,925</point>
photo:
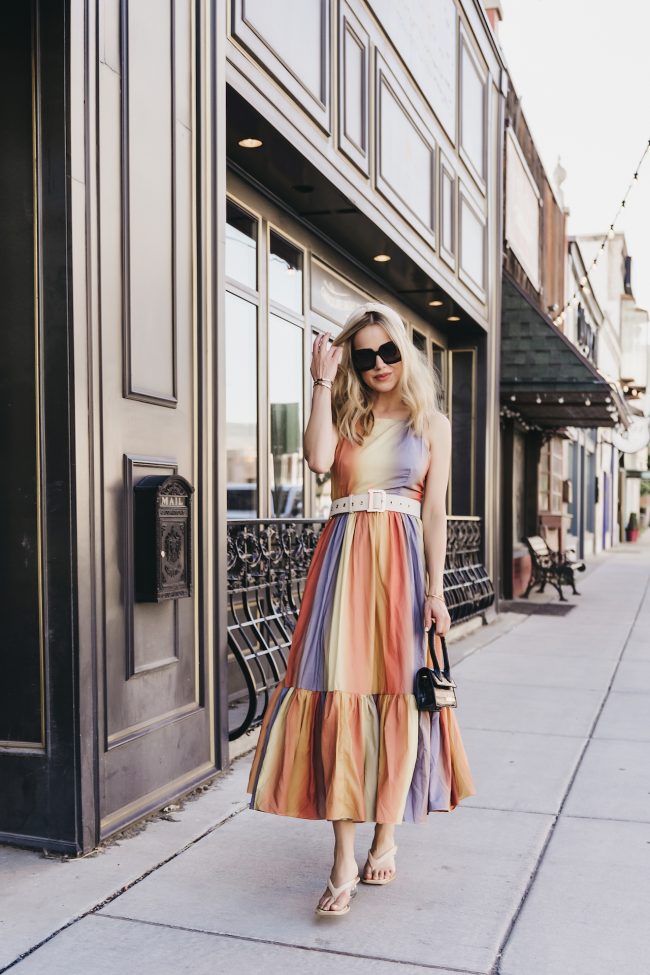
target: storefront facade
<point>555,400</point>
<point>611,329</point>
<point>590,460</point>
<point>175,281</point>
<point>379,137</point>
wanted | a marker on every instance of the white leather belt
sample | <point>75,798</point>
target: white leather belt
<point>376,499</point>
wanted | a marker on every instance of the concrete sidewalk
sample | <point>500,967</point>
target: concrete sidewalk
<point>546,871</point>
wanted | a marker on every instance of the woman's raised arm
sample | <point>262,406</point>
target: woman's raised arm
<point>321,435</point>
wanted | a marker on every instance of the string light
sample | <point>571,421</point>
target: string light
<point>584,280</point>
<point>506,411</point>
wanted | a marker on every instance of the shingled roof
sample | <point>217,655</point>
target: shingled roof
<point>539,361</point>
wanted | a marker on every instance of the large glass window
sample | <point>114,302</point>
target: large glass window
<point>241,407</point>
<point>241,246</point>
<point>285,273</point>
<point>285,418</point>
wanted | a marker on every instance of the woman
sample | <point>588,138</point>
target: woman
<point>342,738</point>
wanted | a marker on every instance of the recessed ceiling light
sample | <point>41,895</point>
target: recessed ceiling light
<point>436,303</point>
<point>250,143</point>
<point>453,318</point>
<point>381,258</point>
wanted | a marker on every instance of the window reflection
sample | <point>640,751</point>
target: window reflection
<point>241,246</point>
<point>241,407</point>
<point>285,273</point>
<point>285,417</point>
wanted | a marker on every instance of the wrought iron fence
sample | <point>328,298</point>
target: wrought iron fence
<point>268,560</point>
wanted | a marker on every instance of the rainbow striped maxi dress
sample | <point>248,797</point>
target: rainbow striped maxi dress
<point>341,737</point>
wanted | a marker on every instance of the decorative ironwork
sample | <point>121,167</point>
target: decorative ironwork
<point>268,561</point>
<point>468,588</point>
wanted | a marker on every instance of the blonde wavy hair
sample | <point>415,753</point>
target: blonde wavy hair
<point>352,399</point>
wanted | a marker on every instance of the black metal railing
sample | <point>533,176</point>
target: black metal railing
<point>268,560</point>
<point>467,586</point>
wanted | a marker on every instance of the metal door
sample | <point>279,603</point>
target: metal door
<point>155,714</point>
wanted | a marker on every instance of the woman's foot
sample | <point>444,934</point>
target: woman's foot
<point>343,870</point>
<point>383,840</point>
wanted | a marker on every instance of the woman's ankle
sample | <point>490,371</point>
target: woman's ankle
<point>384,836</point>
<point>344,857</point>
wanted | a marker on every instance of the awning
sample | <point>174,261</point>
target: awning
<point>545,379</point>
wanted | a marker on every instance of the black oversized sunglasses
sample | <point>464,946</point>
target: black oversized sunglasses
<point>364,359</point>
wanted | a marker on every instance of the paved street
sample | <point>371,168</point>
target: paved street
<point>546,871</point>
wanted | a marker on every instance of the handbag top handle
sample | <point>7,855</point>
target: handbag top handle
<point>435,666</point>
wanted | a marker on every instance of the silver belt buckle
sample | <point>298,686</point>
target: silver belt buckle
<point>382,493</point>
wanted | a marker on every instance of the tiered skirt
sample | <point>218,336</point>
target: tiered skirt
<point>341,737</point>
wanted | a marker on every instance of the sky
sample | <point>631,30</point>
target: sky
<point>582,72</point>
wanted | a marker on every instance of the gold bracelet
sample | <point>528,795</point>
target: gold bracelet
<point>436,595</point>
<point>323,382</point>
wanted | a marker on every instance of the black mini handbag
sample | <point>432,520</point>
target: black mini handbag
<point>434,688</point>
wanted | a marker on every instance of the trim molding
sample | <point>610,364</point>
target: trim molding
<point>131,391</point>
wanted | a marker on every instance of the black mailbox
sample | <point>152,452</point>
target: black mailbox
<point>163,538</point>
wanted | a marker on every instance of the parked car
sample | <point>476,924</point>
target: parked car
<point>242,501</point>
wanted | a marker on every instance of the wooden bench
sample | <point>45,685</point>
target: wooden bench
<point>550,566</point>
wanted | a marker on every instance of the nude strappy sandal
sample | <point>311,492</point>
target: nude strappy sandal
<point>335,891</point>
<point>376,863</point>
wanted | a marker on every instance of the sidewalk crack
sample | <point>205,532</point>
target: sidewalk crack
<point>118,893</point>
<point>290,944</point>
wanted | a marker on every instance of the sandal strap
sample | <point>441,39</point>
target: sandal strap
<point>375,862</point>
<point>335,891</point>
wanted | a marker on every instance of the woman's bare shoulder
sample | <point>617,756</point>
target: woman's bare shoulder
<point>438,428</point>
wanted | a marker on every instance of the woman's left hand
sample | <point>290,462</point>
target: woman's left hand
<point>435,609</point>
